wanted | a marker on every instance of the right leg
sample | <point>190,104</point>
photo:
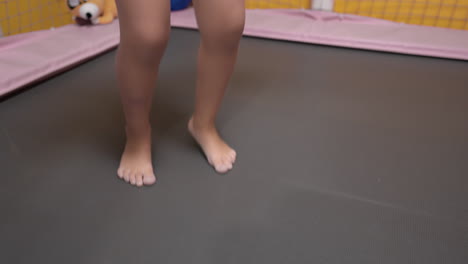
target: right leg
<point>144,31</point>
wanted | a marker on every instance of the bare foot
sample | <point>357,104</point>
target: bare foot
<point>136,165</point>
<point>218,153</point>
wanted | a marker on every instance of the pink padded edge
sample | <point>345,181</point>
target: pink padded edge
<point>29,57</point>
<point>348,31</point>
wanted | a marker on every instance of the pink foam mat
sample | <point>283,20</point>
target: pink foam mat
<point>29,57</point>
<point>351,31</point>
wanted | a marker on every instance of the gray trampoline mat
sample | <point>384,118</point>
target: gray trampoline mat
<point>344,156</point>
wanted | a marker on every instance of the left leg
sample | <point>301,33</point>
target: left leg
<point>221,23</point>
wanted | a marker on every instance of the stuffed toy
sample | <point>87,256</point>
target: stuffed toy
<point>93,11</point>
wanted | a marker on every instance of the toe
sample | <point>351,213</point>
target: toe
<point>126,176</point>
<point>233,155</point>
<point>133,179</point>
<point>216,164</point>
<point>139,180</point>
<point>223,164</point>
<point>120,173</point>
<point>221,167</point>
<point>149,178</point>
<point>228,164</point>
<point>211,162</point>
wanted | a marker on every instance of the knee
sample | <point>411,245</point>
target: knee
<point>234,26</point>
<point>225,35</point>
<point>148,43</point>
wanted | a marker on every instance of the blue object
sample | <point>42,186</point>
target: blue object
<point>179,4</point>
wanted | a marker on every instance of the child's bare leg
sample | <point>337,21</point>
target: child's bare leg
<point>221,24</point>
<point>144,29</point>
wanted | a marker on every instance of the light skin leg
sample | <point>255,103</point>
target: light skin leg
<point>144,29</point>
<point>221,23</point>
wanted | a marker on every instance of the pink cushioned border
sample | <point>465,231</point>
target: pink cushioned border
<point>27,58</point>
<point>348,31</point>
<point>30,57</point>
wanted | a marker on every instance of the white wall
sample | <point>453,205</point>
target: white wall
<point>326,5</point>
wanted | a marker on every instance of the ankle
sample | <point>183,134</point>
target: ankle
<point>136,131</point>
<point>201,126</point>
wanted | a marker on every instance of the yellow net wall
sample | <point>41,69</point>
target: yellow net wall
<point>298,4</point>
<point>438,13</point>
<point>20,16</point>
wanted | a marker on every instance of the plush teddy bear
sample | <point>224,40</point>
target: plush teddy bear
<point>93,11</point>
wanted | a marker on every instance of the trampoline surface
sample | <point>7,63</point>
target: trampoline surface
<point>345,156</point>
